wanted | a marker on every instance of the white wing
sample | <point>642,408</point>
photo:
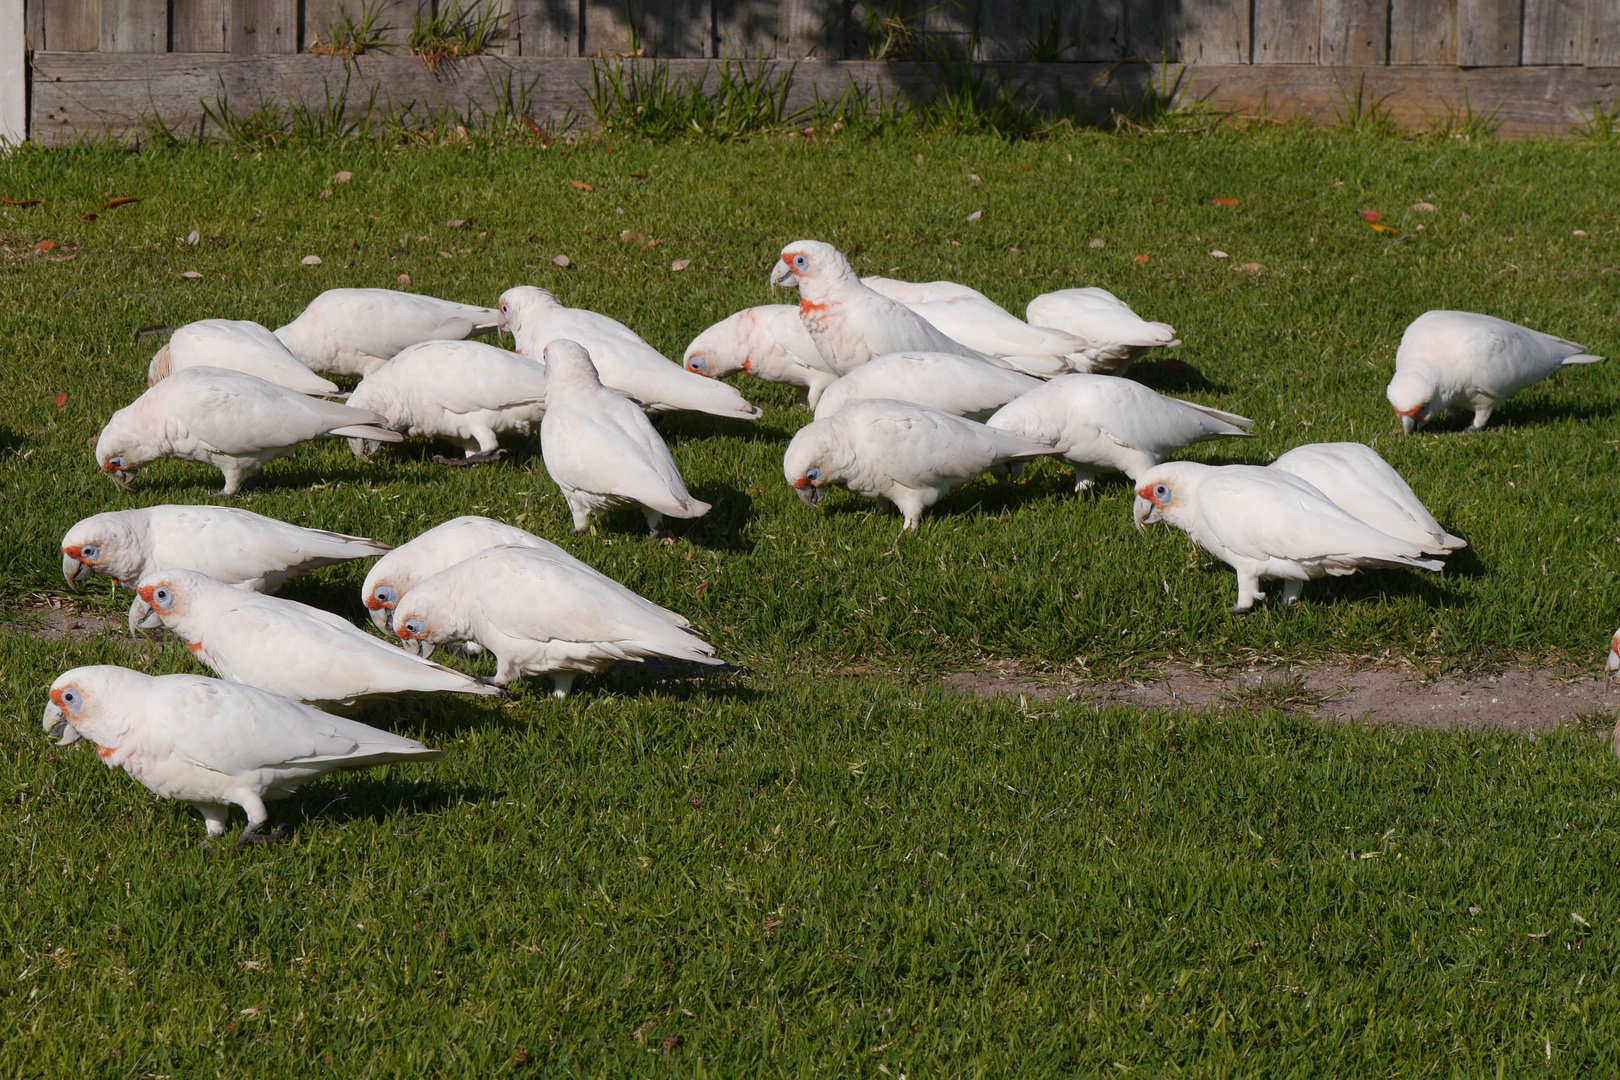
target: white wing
<point>1365,486</point>
<point>237,547</point>
<point>237,346</point>
<point>951,384</point>
<point>607,446</point>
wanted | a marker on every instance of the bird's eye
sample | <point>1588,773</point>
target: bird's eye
<point>386,595</point>
<point>71,699</point>
<point>90,551</point>
<point>800,263</point>
<point>415,627</point>
<point>116,462</point>
<point>1161,492</point>
<point>698,364</point>
<point>814,475</point>
<point>162,597</point>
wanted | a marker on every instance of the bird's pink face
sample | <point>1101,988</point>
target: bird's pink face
<point>66,706</point>
<point>79,562</point>
<point>381,602</point>
<point>1151,502</point>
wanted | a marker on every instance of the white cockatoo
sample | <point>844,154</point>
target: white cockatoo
<point>624,362</point>
<point>210,743</point>
<point>233,421</point>
<point>601,450</point>
<point>922,292</point>
<point>908,454</point>
<point>768,342</point>
<point>1456,359</point>
<point>235,546</point>
<point>237,345</point>
<point>541,617</point>
<point>1102,423</point>
<point>351,331</point>
<point>952,384</point>
<point>442,546</point>
<point>849,322</point>
<point>1611,668</point>
<point>1264,523</point>
<point>1365,486</point>
<point>465,392</point>
<point>1115,335</point>
<point>284,647</point>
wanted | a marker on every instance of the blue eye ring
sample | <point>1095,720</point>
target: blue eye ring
<point>814,475</point>
<point>698,364</point>
<point>90,551</point>
<point>800,263</point>
<point>70,698</point>
<point>116,462</point>
<point>415,626</point>
<point>1161,492</point>
<point>163,597</point>
<point>385,595</point>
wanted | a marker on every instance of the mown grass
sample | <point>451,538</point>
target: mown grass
<point>790,870</point>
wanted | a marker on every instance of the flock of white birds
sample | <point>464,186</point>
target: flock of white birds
<point>916,388</point>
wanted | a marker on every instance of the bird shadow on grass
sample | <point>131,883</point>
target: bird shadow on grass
<point>679,427</point>
<point>11,440</point>
<point>375,798</point>
<point>1176,376</point>
<point>724,527</point>
<point>680,680</point>
<point>1533,413</point>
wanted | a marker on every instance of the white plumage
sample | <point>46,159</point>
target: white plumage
<point>602,451</point>
<point>236,346</point>
<point>351,331</point>
<point>767,342</point>
<point>235,546</point>
<point>624,362</point>
<point>465,392</point>
<point>1456,359</point>
<point>540,617</point>
<point>952,384</point>
<point>968,316</point>
<point>1264,523</point>
<point>1102,423</point>
<point>283,647</point>
<point>921,292</point>
<point>908,454</point>
<point>442,546</point>
<point>1365,486</point>
<point>849,322</point>
<point>213,744</point>
<point>233,421</point>
<point>1115,335</point>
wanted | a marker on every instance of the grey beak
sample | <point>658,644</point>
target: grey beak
<point>142,617</point>
<point>121,478</point>
<point>810,495</point>
<point>783,276</point>
<point>1409,424</point>
<point>74,571</point>
<point>57,727</point>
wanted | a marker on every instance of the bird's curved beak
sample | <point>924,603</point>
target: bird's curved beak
<point>1145,513</point>
<point>1411,419</point>
<point>783,276</point>
<point>55,723</point>
<point>383,619</point>
<point>142,616</point>
<point>121,477</point>
<point>808,493</point>
<point>424,649</point>
<point>74,571</point>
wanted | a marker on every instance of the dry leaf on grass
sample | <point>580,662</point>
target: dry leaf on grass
<point>1141,260</point>
<point>19,202</point>
<point>1423,207</point>
<point>976,215</point>
<point>404,279</point>
<point>680,264</point>
<point>1580,234</point>
<point>1099,243</point>
<point>446,255</point>
<point>456,223</point>
<point>124,200</point>
<point>61,400</point>
<point>343,177</point>
<point>1249,268</point>
<point>563,261</point>
<point>193,237</point>
<point>1219,254</point>
<point>1225,200</point>
<point>1371,216</point>
<point>89,217</point>
<point>311,260</point>
<point>45,245</point>
<point>1376,227</point>
<point>190,275</point>
<point>630,236</point>
<point>582,185</point>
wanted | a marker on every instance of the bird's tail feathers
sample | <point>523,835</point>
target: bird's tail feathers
<point>367,431</point>
<point>1040,367</point>
<point>1582,358</point>
<point>1216,414</point>
<point>694,508</point>
<point>383,757</point>
<point>1452,543</point>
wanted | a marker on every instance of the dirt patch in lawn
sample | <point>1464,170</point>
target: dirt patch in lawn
<point>52,619</point>
<point>1526,700</point>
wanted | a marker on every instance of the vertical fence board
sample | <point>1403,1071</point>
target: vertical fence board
<point>1212,32</point>
<point>1555,31</point>
<point>677,28</point>
<point>546,27</point>
<point>263,27</point>
<point>1100,31</point>
<point>1354,32</point>
<point>1286,31</point>
<point>201,26</point>
<point>748,28</point>
<point>1150,30</point>
<point>319,18</point>
<point>1603,33</point>
<point>72,25</point>
<point>134,26</point>
<point>1489,32</point>
<point>14,39</point>
<point>1423,32</point>
<point>813,28</point>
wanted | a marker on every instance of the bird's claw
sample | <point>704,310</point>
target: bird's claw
<point>251,836</point>
<point>475,459</point>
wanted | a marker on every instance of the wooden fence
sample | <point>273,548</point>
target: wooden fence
<point>101,65</point>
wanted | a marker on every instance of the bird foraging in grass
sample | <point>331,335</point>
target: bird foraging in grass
<point>233,421</point>
<point>213,744</point>
<point>768,342</point>
<point>227,543</point>
<point>1266,524</point>
<point>353,331</point>
<point>238,346</point>
<point>1362,484</point>
<point>908,454</point>
<point>1115,335</point>
<point>1457,359</point>
<point>952,384</point>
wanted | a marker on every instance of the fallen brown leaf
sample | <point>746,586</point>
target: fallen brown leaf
<point>638,176</point>
<point>123,200</point>
<point>89,217</point>
<point>325,194</point>
<point>582,185</point>
<point>1375,227</point>
<point>1580,234</point>
<point>1218,254</point>
<point>976,215</point>
<point>563,261</point>
<point>61,400</point>
<point>630,236</point>
<point>1025,168</point>
<point>311,260</point>
<point>190,275</point>
<point>1249,268</point>
<point>343,177</point>
<point>1099,243</point>
<point>521,1058</point>
<point>680,264</point>
<point>446,255</point>
<point>1370,216</point>
<point>1225,200</point>
<point>456,223</point>
<point>45,245</point>
<point>19,202</point>
<point>404,279</point>
<point>1141,260</point>
<point>1423,207</point>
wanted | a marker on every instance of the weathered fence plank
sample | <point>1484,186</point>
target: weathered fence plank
<point>1354,32</point>
<point>70,25</point>
<point>814,28</point>
<point>1100,31</point>
<point>13,71</point>
<point>1150,30</point>
<point>546,27</point>
<point>744,29</point>
<point>134,26</point>
<point>1287,31</point>
<point>1603,34</point>
<point>263,27</point>
<point>1555,31</point>
<point>201,26</point>
<point>1211,31</point>
<point>1489,32</point>
<point>1423,32</point>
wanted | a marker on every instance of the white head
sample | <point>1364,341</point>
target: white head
<point>525,307</point>
<point>113,545</point>
<point>1412,392</point>
<point>814,460</point>
<point>568,364</point>
<point>431,614</point>
<point>723,348</point>
<point>179,600</point>
<point>85,702</point>
<point>813,268</point>
<point>1168,493</point>
<point>1613,665</point>
<point>127,443</point>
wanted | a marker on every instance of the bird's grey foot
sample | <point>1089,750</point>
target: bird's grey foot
<point>561,684</point>
<point>1291,591</point>
<point>1083,481</point>
<point>472,459</point>
<point>252,836</point>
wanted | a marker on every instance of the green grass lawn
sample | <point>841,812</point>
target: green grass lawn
<point>792,869</point>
